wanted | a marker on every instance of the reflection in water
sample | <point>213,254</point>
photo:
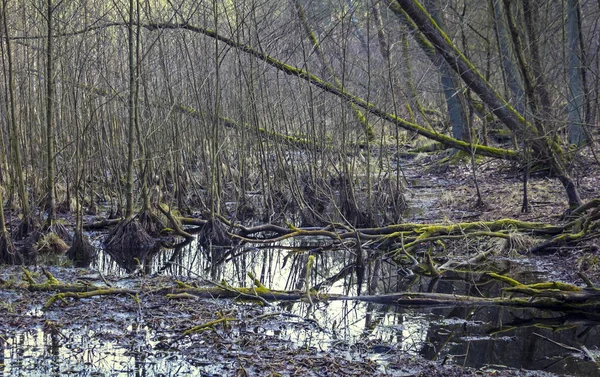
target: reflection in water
<point>469,336</point>
<point>47,352</point>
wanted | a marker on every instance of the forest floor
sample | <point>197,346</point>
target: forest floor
<point>501,187</point>
<point>145,333</point>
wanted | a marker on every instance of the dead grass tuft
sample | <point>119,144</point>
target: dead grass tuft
<point>51,243</point>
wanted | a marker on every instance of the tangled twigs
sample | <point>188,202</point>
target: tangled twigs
<point>175,224</point>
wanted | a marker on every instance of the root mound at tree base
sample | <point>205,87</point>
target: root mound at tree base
<point>129,237</point>
<point>81,251</point>
<point>214,233</point>
<point>61,231</point>
<point>152,223</point>
<point>8,253</point>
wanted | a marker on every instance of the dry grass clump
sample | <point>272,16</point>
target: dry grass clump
<point>51,243</point>
<point>589,263</point>
<point>518,243</point>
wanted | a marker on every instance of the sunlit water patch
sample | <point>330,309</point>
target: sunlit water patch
<point>470,336</point>
<point>86,352</point>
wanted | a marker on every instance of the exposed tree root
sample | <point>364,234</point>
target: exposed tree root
<point>129,237</point>
<point>151,222</point>
<point>8,253</point>
<point>61,231</point>
<point>29,249</point>
<point>27,226</point>
<point>214,233</point>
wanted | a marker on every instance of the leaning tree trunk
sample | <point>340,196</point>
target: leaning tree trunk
<point>545,149</point>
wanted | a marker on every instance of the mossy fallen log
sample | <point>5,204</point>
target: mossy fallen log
<point>408,232</point>
<point>210,325</point>
<point>546,295</point>
<point>88,294</point>
<point>591,302</point>
<point>54,285</point>
<point>104,223</point>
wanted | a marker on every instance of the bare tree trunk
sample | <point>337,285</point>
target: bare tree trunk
<point>450,84</point>
<point>132,113</point>
<point>144,160</point>
<point>51,201</point>
<point>15,147</point>
<point>540,86</point>
<point>513,80</point>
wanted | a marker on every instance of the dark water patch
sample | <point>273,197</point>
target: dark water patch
<point>515,338</point>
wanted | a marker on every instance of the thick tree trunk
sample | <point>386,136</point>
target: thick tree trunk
<point>539,84</point>
<point>450,84</point>
<point>511,73</point>
<point>131,105</point>
<point>576,94</point>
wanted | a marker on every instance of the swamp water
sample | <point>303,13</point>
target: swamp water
<point>480,337</point>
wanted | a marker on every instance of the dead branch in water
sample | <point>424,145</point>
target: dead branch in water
<point>548,295</point>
